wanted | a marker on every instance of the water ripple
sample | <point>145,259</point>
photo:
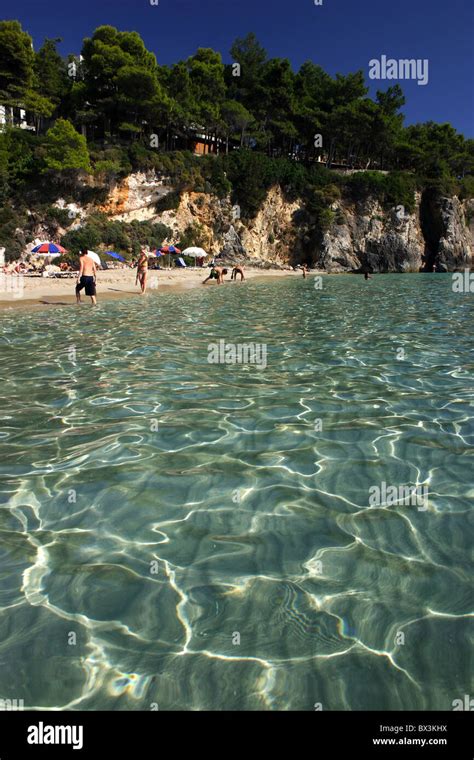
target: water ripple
<point>200,536</point>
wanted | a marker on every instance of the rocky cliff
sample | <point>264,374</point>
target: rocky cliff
<point>363,235</point>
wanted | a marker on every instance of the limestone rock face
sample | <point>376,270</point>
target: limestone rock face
<point>269,239</point>
<point>273,235</point>
<point>233,250</point>
<point>455,247</point>
<point>368,237</point>
<point>135,197</point>
<point>438,234</point>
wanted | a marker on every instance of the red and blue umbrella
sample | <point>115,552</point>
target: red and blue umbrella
<point>49,249</point>
<point>168,249</point>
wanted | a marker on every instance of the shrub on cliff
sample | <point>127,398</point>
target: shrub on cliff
<point>57,217</point>
<point>193,235</point>
<point>168,202</point>
<point>19,161</point>
<point>396,188</point>
<point>213,171</point>
<point>13,237</point>
<point>251,175</point>
<point>399,189</point>
<point>466,188</point>
<point>86,236</point>
<point>123,237</point>
<point>66,151</point>
<point>110,162</point>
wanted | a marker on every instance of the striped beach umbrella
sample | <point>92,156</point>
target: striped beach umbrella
<point>48,249</point>
<point>167,250</point>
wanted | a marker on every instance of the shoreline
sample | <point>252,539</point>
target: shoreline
<point>112,285</point>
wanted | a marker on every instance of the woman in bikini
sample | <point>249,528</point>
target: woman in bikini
<point>142,271</point>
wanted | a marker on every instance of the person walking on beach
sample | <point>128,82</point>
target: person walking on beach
<point>142,271</point>
<point>86,277</point>
<point>216,273</point>
<point>237,270</point>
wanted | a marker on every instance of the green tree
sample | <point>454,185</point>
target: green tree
<point>66,151</point>
<point>276,111</point>
<point>247,87</point>
<point>120,75</point>
<point>312,88</point>
<point>51,78</point>
<point>16,64</point>
<point>51,72</point>
<point>235,119</point>
<point>206,73</point>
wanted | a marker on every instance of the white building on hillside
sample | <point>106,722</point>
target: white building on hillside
<point>16,117</point>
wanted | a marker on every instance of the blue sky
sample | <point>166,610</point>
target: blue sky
<point>340,35</point>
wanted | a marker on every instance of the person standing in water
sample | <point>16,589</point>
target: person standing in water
<point>238,270</point>
<point>142,271</point>
<point>86,277</point>
<point>305,270</point>
<point>217,273</point>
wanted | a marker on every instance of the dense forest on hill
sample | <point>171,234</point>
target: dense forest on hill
<point>114,109</point>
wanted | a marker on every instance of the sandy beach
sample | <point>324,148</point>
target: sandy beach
<point>17,290</point>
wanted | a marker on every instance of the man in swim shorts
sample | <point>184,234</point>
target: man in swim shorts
<point>86,277</point>
<point>217,273</point>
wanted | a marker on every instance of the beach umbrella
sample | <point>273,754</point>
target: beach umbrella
<point>92,255</point>
<point>195,253</point>
<point>169,249</point>
<point>48,249</point>
<point>115,255</point>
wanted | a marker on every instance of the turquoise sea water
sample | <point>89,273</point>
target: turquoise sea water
<point>189,535</point>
